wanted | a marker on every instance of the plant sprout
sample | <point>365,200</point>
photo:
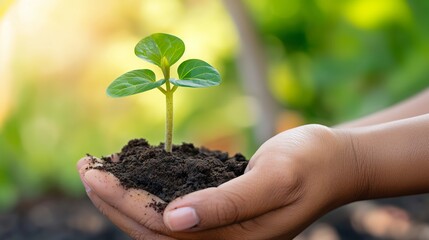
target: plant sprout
<point>164,50</point>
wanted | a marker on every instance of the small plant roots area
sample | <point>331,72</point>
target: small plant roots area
<point>170,175</point>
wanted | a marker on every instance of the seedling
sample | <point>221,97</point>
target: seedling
<point>164,50</point>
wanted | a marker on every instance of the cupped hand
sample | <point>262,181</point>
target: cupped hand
<point>293,178</point>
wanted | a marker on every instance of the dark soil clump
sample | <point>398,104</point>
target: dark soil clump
<point>171,175</point>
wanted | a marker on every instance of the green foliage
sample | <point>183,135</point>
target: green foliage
<point>164,50</point>
<point>133,82</point>
<point>160,46</point>
<point>196,73</point>
<point>333,61</point>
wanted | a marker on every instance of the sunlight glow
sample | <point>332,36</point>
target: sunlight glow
<point>369,14</point>
<point>4,6</point>
<point>5,68</point>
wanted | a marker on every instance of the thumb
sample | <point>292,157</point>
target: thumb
<point>242,198</point>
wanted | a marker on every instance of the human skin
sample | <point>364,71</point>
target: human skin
<point>412,107</point>
<point>293,179</point>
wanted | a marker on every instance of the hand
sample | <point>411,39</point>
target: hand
<point>293,179</point>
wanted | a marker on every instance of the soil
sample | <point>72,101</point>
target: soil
<point>171,175</point>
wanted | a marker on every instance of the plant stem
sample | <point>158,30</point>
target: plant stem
<point>169,108</point>
<point>169,121</point>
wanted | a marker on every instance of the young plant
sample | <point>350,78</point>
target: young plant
<point>164,50</point>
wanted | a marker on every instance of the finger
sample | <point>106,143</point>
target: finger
<point>139,205</point>
<point>87,163</point>
<point>126,224</point>
<point>88,159</point>
<point>284,223</point>
<point>242,198</point>
<point>83,165</point>
<point>83,161</point>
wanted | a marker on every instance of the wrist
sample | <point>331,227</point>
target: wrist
<point>353,173</point>
<point>333,171</point>
<point>391,158</point>
<point>356,168</point>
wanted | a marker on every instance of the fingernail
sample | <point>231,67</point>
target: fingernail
<point>181,219</point>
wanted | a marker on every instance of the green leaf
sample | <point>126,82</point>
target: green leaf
<point>133,82</point>
<point>196,73</point>
<point>160,49</point>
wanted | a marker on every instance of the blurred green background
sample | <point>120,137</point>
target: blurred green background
<point>316,61</point>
